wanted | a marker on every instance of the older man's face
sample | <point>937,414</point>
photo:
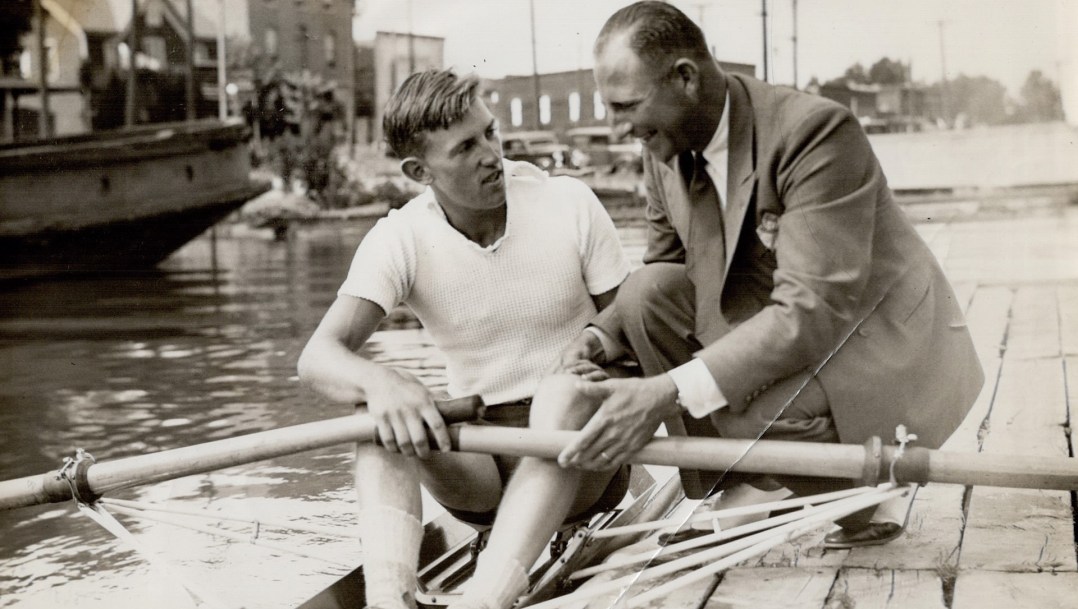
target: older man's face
<point>648,102</point>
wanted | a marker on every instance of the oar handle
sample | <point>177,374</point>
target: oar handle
<point>453,410</point>
<point>461,410</point>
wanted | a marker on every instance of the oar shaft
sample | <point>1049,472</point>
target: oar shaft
<point>109,476</point>
<point>869,464</point>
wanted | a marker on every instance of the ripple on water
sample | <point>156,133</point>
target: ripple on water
<point>161,360</point>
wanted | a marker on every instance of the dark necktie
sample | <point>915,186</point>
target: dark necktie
<point>706,252</point>
<point>705,262</point>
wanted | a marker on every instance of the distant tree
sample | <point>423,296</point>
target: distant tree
<point>855,73</point>
<point>1040,100</point>
<point>15,16</point>
<point>888,72</point>
<point>982,100</point>
<point>884,72</point>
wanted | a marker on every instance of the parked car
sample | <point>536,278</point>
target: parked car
<point>540,148</point>
<point>599,147</point>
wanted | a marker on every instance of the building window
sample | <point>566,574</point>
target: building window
<point>330,45</point>
<point>154,46</point>
<point>494,98</point>
<point>574,106</point>
<point>544,109</point>
<point>271,42</point>
<point>600,108</point>
<point>516,112</point>
<point>28,67</point>
<point>301,42</point>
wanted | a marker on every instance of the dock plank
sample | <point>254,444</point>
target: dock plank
<point>887,589</point>
<point>983,589</point>
<point>932,536</point>
<point>988,318</point>
<point>1018,529</point>
<point>1034,328</point>
<point>1068,319</point>
<point>789,588</point>
<point>804,552</point>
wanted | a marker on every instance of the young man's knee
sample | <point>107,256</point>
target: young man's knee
<point>558,404</point>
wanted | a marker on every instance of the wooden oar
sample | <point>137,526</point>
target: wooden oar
<point>95,479</point>
<point>870,463</point>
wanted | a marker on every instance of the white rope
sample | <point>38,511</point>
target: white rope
<point>729,554</point>
<point>758,508</point>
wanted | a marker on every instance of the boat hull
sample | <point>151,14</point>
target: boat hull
<point>120,201</point>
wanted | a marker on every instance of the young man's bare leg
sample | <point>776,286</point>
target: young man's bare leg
<point>390,512</point>
<point>537,500</point>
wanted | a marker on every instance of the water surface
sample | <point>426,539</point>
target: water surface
<point>202,349</point>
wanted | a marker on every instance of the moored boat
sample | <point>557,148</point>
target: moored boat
<point>119,200</point>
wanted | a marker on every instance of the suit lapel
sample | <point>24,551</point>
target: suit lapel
<point>740,166</point>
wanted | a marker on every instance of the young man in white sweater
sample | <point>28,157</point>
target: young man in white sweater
<point>504,266</point>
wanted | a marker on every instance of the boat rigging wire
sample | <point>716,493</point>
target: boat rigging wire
<point>252,539</point>
<point>70,472</point>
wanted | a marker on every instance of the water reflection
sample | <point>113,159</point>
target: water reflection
<point>201,350</point>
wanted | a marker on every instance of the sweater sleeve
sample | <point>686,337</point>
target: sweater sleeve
<point>383,267</point>
<point>603,261</point>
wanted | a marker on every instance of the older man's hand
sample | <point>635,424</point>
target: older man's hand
<point>631,411</point>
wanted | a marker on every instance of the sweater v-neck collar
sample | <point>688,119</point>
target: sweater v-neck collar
<point>436,208</point>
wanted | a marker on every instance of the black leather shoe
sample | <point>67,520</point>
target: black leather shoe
<point>875,534</point>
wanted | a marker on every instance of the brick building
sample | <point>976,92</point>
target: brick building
<point>566,100</point>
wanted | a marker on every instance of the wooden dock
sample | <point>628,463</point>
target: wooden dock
<point>965,548</point>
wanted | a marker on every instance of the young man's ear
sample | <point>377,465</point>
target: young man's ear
<point>416,170</point>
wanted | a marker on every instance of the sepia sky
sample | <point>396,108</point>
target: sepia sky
<point>1002,39</point>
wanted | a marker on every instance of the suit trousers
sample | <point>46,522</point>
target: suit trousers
<point>656,309</point>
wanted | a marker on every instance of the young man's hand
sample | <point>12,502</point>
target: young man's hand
<point>582,358</point>
<point>403,410</point>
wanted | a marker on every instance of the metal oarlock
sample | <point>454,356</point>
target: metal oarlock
<point>73,472</point>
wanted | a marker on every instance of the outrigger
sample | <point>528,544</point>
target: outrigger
<point>584,550</point>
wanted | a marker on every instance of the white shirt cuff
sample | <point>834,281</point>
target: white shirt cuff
<point>612,349</point>
<point>697,390</point>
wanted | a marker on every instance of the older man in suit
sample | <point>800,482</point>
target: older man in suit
<point>784,293</point>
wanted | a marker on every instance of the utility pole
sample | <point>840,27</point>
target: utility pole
<point>411,40</point>
<point>763,4</point>
<point>797,83</point>
<point>944,88</point>
<point>190,88</point>
<point>131,104</point>
<point>222,79</point>
<point>43,127</point>
<point>535,65</point>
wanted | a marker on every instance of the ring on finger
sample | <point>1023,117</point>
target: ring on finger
<point>605,456</point>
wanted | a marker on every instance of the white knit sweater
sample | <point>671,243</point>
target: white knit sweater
<point>503,313</point>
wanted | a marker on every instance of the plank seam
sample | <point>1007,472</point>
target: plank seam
<point>951,582</point>
<point>1067,424</point>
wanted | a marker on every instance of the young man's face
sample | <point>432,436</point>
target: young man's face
<point>644,101</point>
<point>464,162</point>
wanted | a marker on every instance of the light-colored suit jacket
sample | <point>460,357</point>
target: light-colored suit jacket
<point>824,277</point>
